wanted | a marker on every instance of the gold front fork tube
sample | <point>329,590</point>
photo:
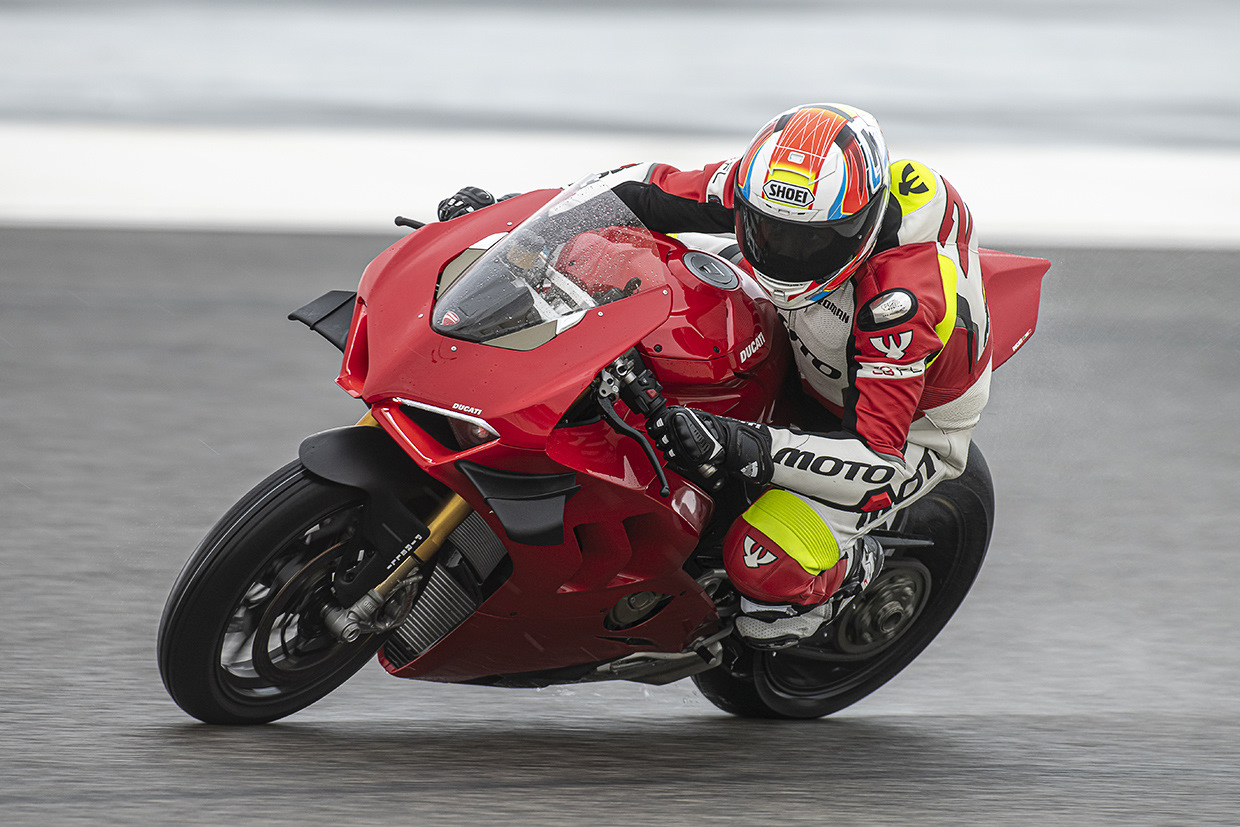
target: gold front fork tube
<point>452,512</point>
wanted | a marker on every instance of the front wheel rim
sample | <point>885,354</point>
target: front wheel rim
<point>275,641</point>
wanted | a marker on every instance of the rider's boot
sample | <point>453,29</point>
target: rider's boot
<point>780,625</point>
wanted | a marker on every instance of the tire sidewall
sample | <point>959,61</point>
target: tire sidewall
<point>958,514</point>
<point>212,584</point>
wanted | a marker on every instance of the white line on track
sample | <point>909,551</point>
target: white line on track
<point>343,180</point>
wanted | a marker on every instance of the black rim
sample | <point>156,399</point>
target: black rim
<point>275,640</point>
<point>872,632</point>
<point>887,609</point>
<point>938,546</point>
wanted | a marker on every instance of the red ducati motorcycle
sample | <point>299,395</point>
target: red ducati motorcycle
<point>500,518</point>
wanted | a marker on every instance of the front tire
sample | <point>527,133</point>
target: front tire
<point>242,639</point>
<point>883,629</point>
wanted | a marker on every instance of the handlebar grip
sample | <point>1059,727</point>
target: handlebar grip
<point>642,392</point>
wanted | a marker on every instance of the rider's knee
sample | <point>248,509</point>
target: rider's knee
<point>782,551</point>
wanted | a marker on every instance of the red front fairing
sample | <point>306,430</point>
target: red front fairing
<point>620,536</point>
<point>522,394</point>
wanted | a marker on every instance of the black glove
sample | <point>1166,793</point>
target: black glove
<point>690,439</point>
<point>466,200</point>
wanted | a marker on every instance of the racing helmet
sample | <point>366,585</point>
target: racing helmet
<point>811,191</point>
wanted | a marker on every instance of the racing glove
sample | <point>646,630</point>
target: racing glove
<point>466,200</point>
<point>690,439</point>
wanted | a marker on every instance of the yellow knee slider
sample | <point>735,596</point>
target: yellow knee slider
<point>794,526</point>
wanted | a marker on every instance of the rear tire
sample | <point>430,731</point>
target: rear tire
<point>882,630</point>
<point>242,639</point>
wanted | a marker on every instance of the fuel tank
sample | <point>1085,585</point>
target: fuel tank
<point>723,348</point>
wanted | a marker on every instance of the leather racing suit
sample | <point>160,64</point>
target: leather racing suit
<point>900,353</point>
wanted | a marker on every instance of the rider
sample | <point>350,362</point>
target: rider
<point>874,269</point>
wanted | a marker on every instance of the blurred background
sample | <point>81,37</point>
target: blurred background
<point>1122,116</point>
<point>177,175</point>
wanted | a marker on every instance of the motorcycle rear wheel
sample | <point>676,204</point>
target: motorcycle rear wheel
<point>242,640</point>
<point>882,630</point>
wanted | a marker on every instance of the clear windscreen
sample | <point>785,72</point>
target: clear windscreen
<point>583,250</point>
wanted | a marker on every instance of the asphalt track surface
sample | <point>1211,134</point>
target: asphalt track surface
<point>149,379</point>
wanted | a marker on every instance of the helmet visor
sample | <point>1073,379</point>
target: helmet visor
<point>798,251</point>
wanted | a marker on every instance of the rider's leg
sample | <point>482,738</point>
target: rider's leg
<point>798,561</point>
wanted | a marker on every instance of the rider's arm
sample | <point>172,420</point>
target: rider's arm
<point>665,199</point>
<point>902,321</point>
<point>674,201</point>
<point>897,333</point>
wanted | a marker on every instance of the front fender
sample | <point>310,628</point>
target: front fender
<point>361,456</point>
<point>366,458</point>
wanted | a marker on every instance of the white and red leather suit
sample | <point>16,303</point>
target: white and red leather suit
<point>900,353</point>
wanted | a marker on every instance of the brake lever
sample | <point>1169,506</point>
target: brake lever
<point>641,391</point>
<point>609,388</point>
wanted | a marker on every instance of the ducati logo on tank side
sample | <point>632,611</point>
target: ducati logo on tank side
<point>752,347</point>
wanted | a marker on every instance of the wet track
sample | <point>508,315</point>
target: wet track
<point>150,378</point>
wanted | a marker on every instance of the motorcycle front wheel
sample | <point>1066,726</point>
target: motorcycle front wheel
<point>883,629</point>
<point>242,638</point>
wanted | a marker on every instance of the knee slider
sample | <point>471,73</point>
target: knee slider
<point>793,525</point>
<point>780,549</point>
